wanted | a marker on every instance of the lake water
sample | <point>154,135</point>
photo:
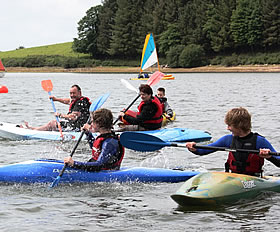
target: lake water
<point>200,102</point>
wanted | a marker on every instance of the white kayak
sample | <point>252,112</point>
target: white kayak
<point>14,132</point>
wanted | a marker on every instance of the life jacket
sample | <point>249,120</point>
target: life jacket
<point>82,119</point>
<point>115,161</point>
<point>243,162</point>
<point>73,103</point>
<point>157,118</point>
<point>162,101</point>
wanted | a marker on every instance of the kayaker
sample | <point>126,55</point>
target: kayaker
<point>76,117</point>
<point>149,115</point>
<point>107,152</point>
<point>238,122</point>
<point>165,106</point>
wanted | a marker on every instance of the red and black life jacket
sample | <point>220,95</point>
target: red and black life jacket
<point>242,162</point>
<point>157,118</point>
<point>116,160</point>
<point>73,103</point>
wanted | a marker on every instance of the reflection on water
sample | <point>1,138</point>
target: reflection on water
<point>200,101</point>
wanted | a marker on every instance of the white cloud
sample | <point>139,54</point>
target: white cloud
<point>31,23</point>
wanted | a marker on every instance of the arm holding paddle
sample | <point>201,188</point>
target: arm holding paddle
<point>149,116</point>
<point>204,150</point>
<point>65,101</point>
<point>154,79</point>
<point>106,153</point>
<point>93,107</point>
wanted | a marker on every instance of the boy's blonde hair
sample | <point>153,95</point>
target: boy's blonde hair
<point>239,118</point>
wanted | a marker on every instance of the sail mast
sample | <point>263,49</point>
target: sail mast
<point>156,53</point>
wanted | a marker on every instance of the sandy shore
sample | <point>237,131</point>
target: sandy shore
<point>252,68</point>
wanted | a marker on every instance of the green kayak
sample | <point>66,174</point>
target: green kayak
<point>215,188</point>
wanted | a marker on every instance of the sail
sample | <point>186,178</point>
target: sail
<point>2,68</point>
<point>149,53</point>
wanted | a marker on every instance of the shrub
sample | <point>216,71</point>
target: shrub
<point>192,56</point>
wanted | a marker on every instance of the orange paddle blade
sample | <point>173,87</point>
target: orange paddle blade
<point>155,78</point>
<point>3,89</point>
<point>47,85</point>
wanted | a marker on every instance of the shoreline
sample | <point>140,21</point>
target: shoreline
<point>108,69</point>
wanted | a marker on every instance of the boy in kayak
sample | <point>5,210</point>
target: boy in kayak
<point>76,117</point>
<point>166,107</point>
<point>149,115</point>
<point>238,122</point>
<point>107,152</point>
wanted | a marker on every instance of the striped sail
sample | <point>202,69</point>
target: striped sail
<point>149,53</point>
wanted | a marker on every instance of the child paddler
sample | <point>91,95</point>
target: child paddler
<point>107,152</point>
<point>238,122</point>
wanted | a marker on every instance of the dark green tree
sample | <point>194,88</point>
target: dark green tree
<point>126,39</point>
<point>192,56</point>
<point>88,33</point>
<point>246,24</point>
<point>192,18</point>
<point>271,23</point>
<point>105,29</point>
<point>217,26</point>
<point>168,39</point>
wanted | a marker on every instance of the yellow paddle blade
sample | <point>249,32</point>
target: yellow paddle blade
<point>47,85</point>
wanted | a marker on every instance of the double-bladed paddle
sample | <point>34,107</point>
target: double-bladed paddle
<point>140,141</point>
<point>48,86</point>
<point>93,107</point>
<point>154,79</point>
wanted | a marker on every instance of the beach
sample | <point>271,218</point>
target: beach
<point>109,69</point>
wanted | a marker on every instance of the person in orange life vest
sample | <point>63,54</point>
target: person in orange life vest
<point>238,122</point>
<point>107,152</point>
<point>76,117</point>
<point>149,116</point>
<point>165,106</point>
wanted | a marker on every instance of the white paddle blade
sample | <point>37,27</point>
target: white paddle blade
<point>128,85</point>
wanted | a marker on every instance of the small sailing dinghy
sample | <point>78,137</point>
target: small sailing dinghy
<point>149,58</point>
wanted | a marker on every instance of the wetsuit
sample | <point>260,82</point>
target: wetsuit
<point>110,153</point>
<point>226,141</point>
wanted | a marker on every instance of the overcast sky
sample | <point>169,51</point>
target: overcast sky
<point>32,23</point>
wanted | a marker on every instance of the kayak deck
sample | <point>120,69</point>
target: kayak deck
<point>215,188</point>
<point>46,171</point>
<point>12,132</point>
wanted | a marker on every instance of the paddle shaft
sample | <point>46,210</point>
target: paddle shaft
<point>221,148</point>
<point>233,150</point>
<point>57,119</point>
<point>155,78</point>
<point>127,108</point>
<point>73,151</point>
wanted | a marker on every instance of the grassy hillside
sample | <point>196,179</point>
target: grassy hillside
<point>61,49</point>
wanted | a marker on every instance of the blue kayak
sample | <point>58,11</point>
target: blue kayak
<point>46,171</point>
<point>13,132</point>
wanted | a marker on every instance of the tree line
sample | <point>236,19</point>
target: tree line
<point>188,33</point>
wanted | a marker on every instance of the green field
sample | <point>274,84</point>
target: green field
<point>61,49</point>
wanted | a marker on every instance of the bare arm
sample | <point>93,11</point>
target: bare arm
<point>66,101</point>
